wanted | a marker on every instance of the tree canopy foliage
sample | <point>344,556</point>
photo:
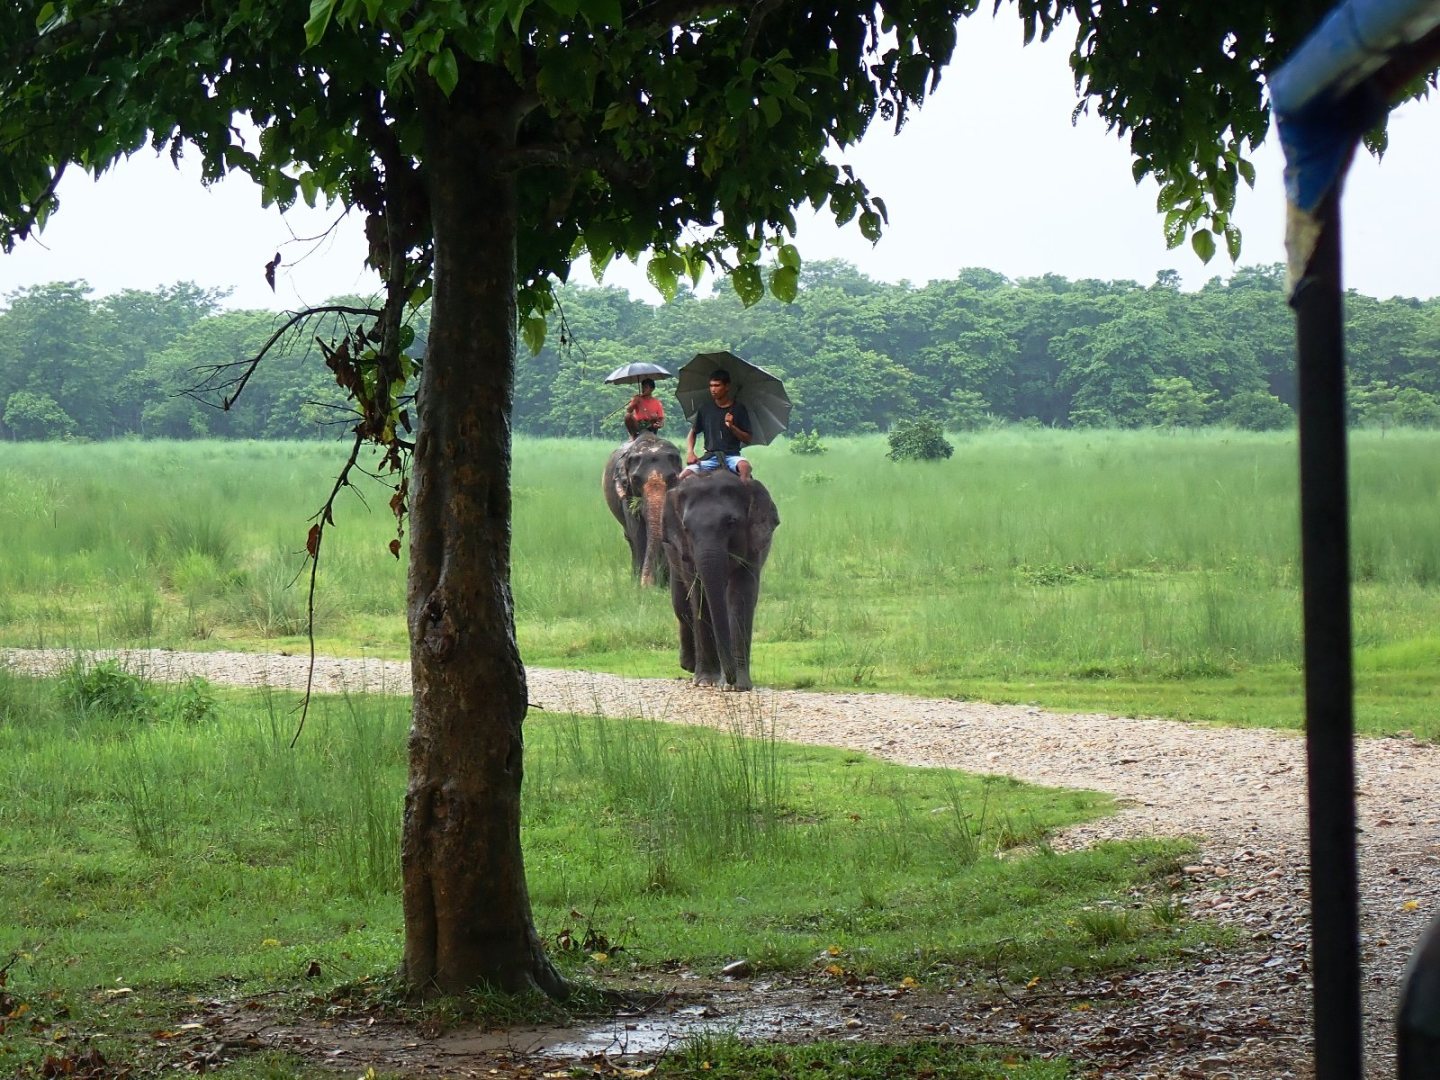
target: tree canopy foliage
<point>858,355</point>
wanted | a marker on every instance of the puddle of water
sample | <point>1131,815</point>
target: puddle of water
<point>638,1035</point>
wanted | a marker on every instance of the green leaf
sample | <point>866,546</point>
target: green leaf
<point>309,187</point>
<point>1169,196</point>
<point>1203,242</point>
<point>785,283</point>
<point>319,21</point>
<point>1174,228</point>
<point>1232,242</point>
<point>533,331</point>
<point>602,12</point>
<point>748,284</point>
<point>1247,171</point>
<point>618,114</point>
<point>789,255</point>
<point>599,263</point>
<point>517,14</point>
<point>870,225</point>
<point>662,275</point>
<point>445,71</point>
<point>695,264</point>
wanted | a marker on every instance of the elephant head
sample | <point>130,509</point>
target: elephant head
<point>718,530</point>
<point>636,479</point>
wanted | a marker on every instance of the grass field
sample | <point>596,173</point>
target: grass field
<point>1135,572</point>
<point>164,846</point>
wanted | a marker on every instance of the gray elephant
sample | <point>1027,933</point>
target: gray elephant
<point>718,530</point>
<point>637,476</point>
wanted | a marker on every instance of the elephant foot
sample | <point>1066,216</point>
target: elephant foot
<point>707,678</point>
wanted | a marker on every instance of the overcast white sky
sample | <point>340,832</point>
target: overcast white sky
<point>990,173</point>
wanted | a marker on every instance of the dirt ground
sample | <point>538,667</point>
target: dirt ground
<point>1242,1014</point>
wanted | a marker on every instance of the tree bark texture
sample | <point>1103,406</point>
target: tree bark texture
<point>467,909</point>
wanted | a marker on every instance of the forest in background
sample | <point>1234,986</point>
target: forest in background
<point>856,355</point>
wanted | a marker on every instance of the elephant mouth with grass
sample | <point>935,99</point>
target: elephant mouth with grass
<point>637,478</point>
<point>718,530</point>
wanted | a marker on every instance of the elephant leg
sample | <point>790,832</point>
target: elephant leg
<point>708,670</point>
<point>744,594</point>
<point>684,615</point>
<point>635,536</point>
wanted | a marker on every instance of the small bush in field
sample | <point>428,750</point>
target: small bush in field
<point>192,702</point>
<point>104,688</point>
<point>922,439</point>
<point>802,443</point>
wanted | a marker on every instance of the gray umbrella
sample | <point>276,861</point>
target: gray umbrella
<point>633,373</point>
<point>762,394</point>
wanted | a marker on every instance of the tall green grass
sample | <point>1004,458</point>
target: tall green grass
<point>170,841</point>
<point>1137,571</point>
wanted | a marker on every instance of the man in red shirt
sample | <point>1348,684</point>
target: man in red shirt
<point>644,411</point>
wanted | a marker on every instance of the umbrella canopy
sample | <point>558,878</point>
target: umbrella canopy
<point>633,373</point>
<point>762,394</point>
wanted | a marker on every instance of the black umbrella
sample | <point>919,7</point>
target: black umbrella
<point>633,373</point>
<point>762,394</point>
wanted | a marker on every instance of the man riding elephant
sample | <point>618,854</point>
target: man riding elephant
<point>727,429</point>
<point>644,411</point>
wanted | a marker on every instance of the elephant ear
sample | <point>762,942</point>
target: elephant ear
<point>763,518</point>
<point>672,530</point>
<point>762,506</point>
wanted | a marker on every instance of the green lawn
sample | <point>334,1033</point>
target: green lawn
<point>168,843</point>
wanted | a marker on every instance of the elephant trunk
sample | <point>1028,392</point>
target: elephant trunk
<point>652,498</point>
<point>713,568</point>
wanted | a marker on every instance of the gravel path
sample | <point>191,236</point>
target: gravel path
<point>1240,793</point>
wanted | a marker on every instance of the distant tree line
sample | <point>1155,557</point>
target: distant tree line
<point>857,355</point>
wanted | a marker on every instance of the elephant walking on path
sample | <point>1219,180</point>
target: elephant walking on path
<point>718,530</point>
<point>637,477</point>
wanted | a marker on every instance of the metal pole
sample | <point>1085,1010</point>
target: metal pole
<point>1329,683</point>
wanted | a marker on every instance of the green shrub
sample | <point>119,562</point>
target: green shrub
<point>192,702</point>
<point>921,439</point>
<point>802,443</point>
<point>1258,410</point>
<point>105,688</point>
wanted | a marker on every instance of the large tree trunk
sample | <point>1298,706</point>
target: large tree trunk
<point>467,910</point>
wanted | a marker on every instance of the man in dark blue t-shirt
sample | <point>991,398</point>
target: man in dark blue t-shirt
<point>726,426</point>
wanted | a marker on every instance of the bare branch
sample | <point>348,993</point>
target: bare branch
<point>758,15</point>
<point>324,516</point>
<point>209,386</point>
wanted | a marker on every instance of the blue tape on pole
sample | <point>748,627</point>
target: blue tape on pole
<point>1321,98</point>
